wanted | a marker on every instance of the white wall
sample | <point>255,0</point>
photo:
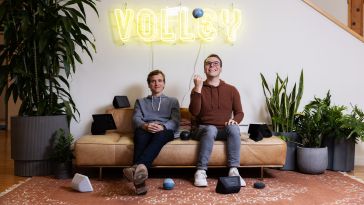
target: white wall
<point>278,36</point>
<point>337,8</point>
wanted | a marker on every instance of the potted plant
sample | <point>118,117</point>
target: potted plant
<point>342,148</point>
<point>311,156</point>
<point>340,132</point>
<point>62,154</point>
<point>282,107</point>
<point>40,52</point>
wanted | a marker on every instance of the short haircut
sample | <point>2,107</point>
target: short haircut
<point>156,72</point>
<point>216,56</point>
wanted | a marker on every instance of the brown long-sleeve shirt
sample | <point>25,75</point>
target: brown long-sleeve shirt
<point>216,105</point>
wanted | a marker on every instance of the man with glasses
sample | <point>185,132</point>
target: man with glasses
<point>218,111</point>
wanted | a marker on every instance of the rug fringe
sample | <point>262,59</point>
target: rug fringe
<point>13,187</point>
<point>353,177</point>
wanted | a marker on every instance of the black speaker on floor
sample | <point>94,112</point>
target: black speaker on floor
<point>101,123</point>
<point>121,102</point>
<point>228,185</point>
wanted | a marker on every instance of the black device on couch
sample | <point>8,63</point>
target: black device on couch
<point>101,123</point>
<point>121,102</point>
<point>259,131</point>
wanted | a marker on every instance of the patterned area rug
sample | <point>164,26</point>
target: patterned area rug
<point>282,187</point>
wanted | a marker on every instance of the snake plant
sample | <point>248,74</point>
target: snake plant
<point>282,105</point>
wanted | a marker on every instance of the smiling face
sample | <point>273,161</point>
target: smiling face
<point>212,67</point>
<point>156,84</point>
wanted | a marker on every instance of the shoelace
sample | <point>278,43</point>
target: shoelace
<point>201,173</point>
<point>234,172</point>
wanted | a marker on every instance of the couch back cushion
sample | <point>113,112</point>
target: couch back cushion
<point>123,119</point>
<point>124,123</point>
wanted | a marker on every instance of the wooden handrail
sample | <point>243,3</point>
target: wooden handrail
<point>334,20</point>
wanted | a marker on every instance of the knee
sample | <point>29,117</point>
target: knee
<point>210,130</point>
<point>233,130</point>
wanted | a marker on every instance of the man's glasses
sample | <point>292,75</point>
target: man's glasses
<point>213,63</point>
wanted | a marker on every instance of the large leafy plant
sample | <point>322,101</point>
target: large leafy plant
<point>282,105</point>
<point>353,124</point>
<point>321,119</point>
<point>41,49</point>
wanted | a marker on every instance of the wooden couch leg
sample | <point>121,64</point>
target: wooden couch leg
<point>261,173</point>
<point>100,173</point>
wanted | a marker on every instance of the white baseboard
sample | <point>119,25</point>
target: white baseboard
<point>359,161</point>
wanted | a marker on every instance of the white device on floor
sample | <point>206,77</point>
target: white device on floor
<point>81,183</point>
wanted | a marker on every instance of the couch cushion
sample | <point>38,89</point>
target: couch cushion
<point>123,119</point>
<point>117,150</point>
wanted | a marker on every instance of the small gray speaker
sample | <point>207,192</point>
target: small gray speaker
<point>81,183</point>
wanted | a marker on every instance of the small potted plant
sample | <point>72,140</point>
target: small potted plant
<point>351,131</point>
<point>312,157</point>
<point>62,154</point>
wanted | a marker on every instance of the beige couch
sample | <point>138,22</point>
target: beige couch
<point>115,148</point>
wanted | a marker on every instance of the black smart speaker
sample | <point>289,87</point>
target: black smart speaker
<point>185,135</point>
<point>101,123</point>
<point>121,102</point>
<point>259,185</point>
<point>228,185</point>
<point>259,131</point>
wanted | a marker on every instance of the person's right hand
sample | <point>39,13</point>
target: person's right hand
<point>153,127</point>
<point>197,80</point>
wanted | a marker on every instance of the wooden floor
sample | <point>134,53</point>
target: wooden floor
<point>7,179</point>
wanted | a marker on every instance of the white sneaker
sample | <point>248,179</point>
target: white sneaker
<point>200,178</point>
<point>235,172</point>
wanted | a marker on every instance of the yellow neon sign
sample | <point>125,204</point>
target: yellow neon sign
<point>206,29</point>
<point>232,22</point>
<point>186,34</point>
<point>146,25</point>
<point>175,26</point>
<point>123,21</point>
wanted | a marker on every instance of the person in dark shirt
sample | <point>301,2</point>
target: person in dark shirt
<point>218,110</point>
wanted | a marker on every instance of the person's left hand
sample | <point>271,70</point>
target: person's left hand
<point>155,127</point>
<point>231,122</point>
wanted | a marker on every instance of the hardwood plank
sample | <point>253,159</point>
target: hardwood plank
<point>7,178</point>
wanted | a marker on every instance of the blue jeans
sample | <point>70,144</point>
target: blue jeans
<point>207,134</point>
<point>148,145</point>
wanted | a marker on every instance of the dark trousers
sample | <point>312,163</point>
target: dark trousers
<point>148,145</point>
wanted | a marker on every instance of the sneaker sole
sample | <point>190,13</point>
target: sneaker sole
<point>200,185</point>
<point>140,175</point>
<point>128,173</point>
<point>141,189</point>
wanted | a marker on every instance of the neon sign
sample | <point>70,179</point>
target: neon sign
<point>174,26</point>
